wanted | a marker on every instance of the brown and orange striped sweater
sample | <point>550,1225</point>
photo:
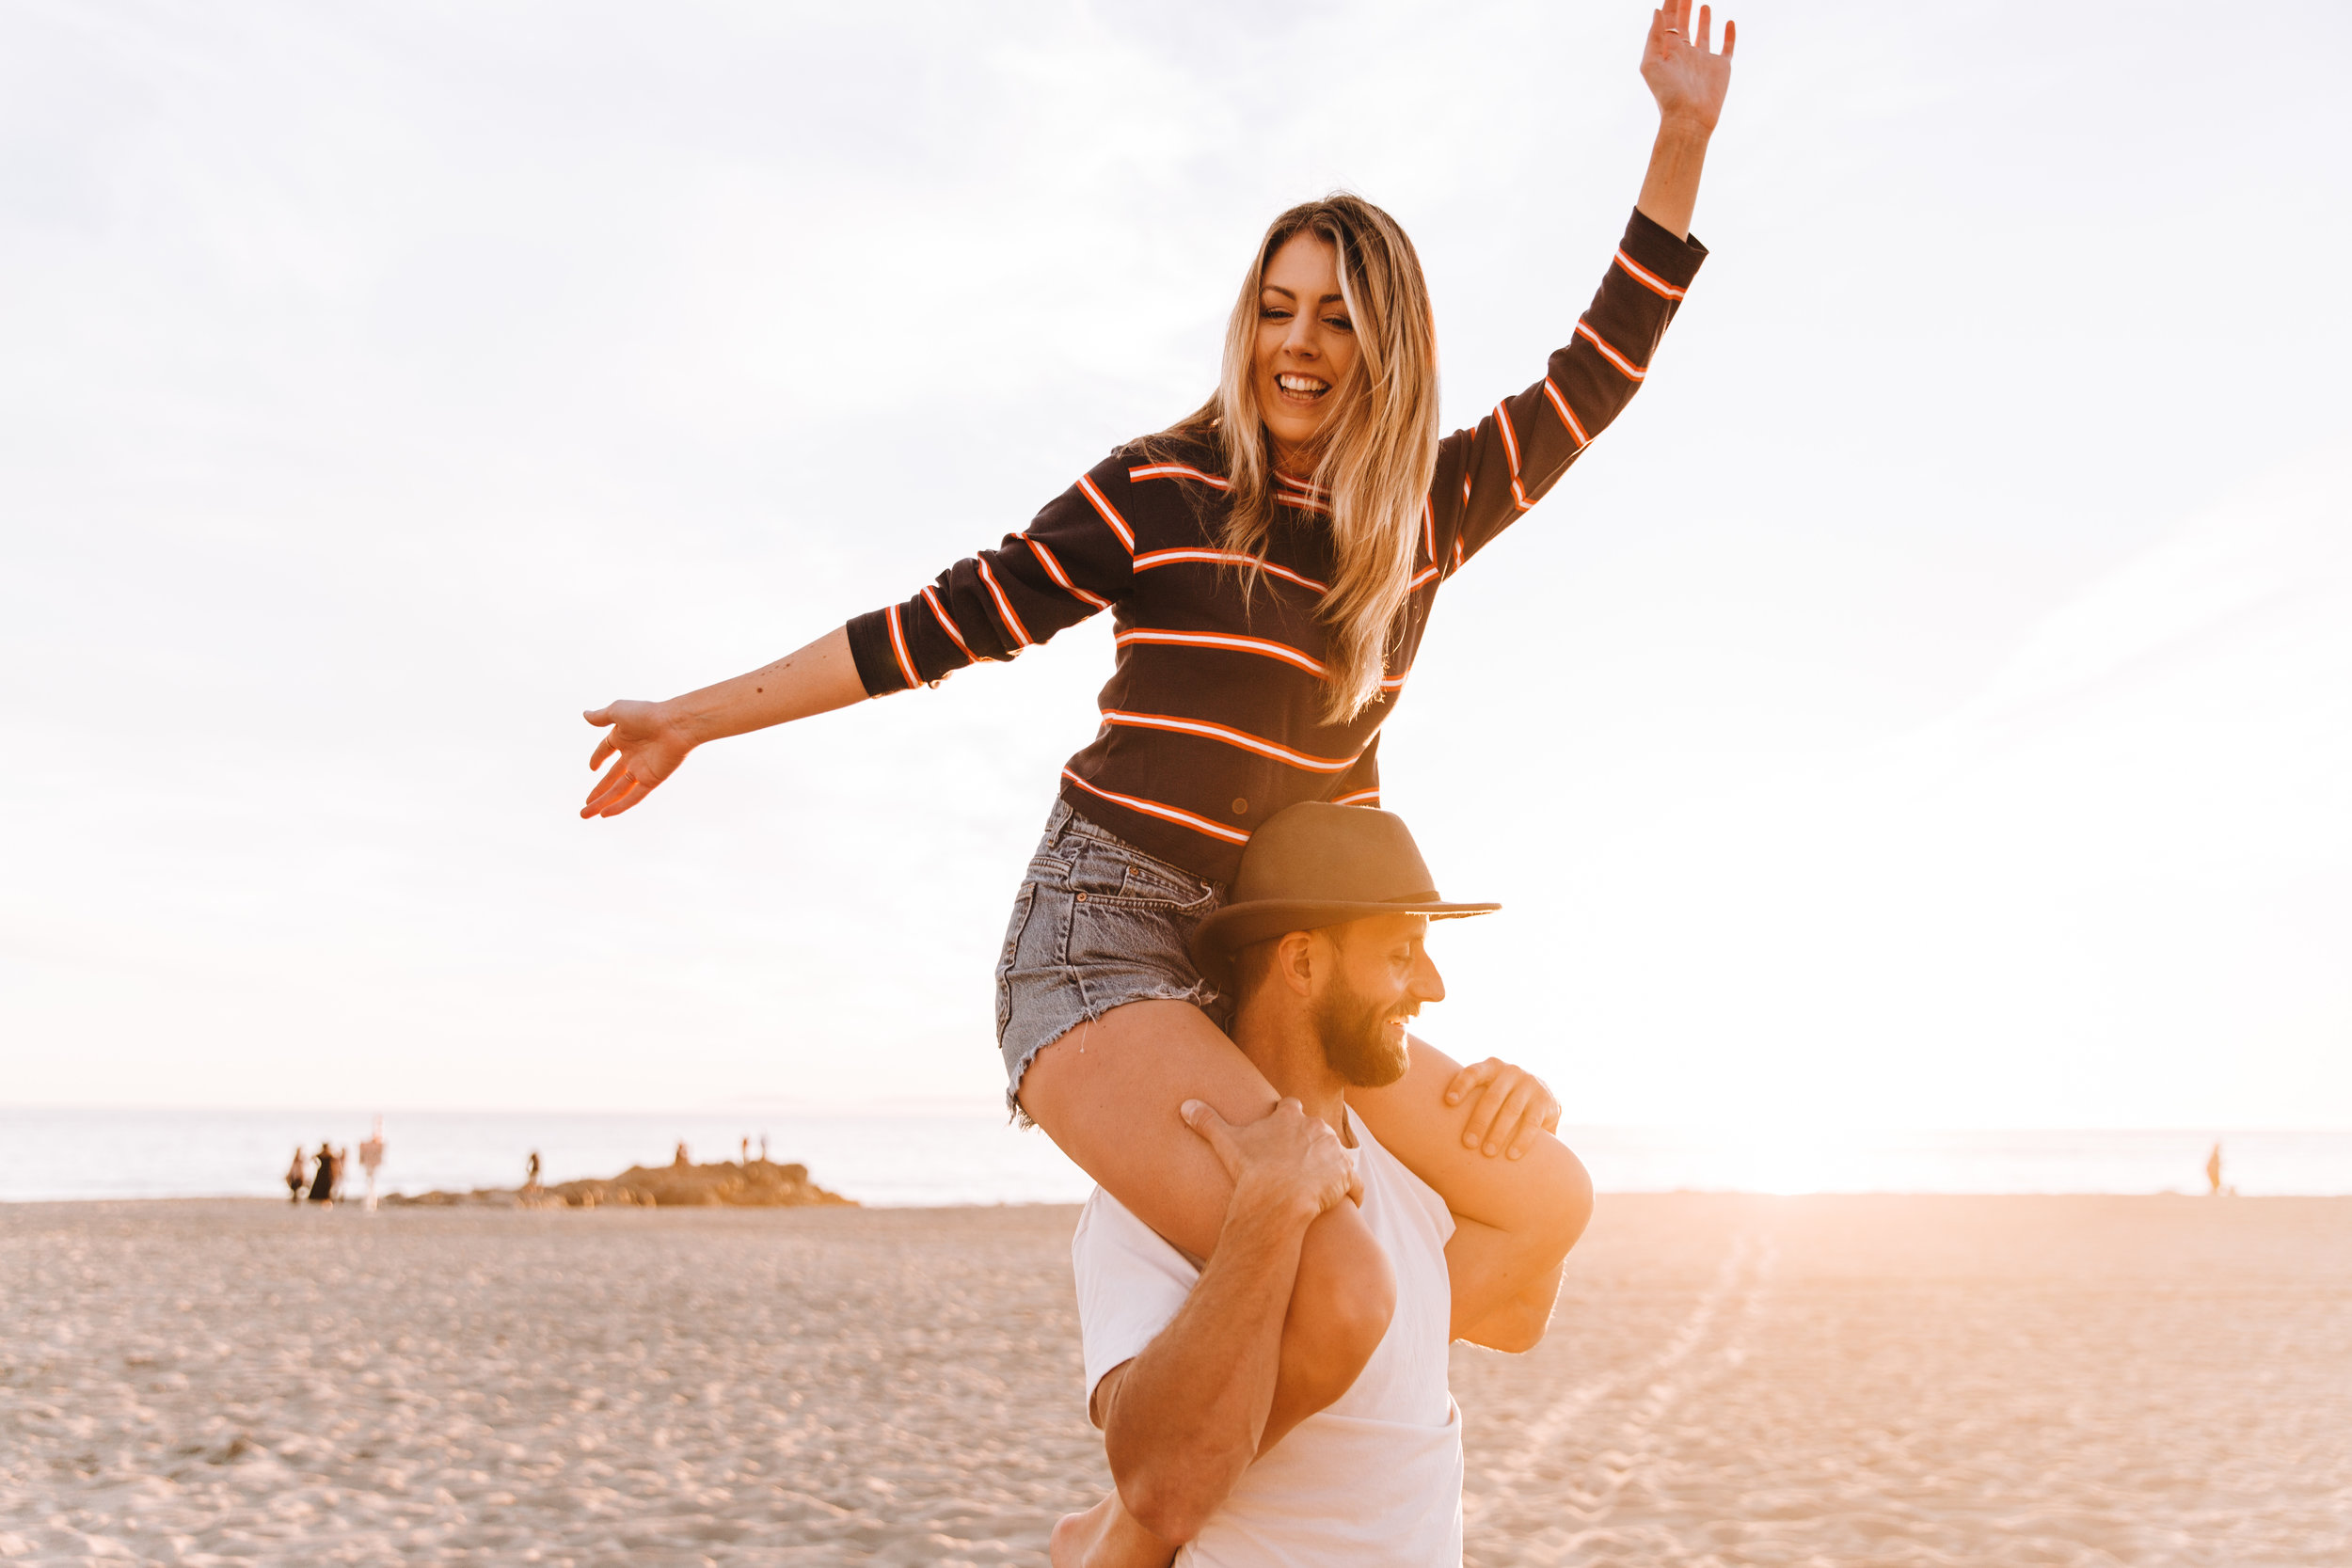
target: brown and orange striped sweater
<point>1212,722</point>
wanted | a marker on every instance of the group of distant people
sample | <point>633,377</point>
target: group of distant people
<point>320,1175</point>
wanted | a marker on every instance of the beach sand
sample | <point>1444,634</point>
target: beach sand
<point>1729,1380</point>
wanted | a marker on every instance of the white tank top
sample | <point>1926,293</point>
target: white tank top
<point>1376,1480</point>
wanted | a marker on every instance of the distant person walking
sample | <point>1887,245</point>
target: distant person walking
<point>2213,1172</point>
<point>371,1156</point>
<point>298,1175</point>
<point>322,1183</point>
<point>530,1176</point>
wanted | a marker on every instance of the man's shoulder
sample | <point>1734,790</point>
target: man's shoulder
<point>1131,1284</point>
<point>1109,1242</point>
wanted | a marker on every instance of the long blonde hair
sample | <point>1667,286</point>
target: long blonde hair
<point>1378,448</point>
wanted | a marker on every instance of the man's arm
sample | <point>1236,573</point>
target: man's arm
<point>1181,1421</point>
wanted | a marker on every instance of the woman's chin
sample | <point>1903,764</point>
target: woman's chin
<point>1293,434</point>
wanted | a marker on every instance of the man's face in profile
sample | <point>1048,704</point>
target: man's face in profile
<point>1380,978</point>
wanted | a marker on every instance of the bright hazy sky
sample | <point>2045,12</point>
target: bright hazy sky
<point>1931,704</point>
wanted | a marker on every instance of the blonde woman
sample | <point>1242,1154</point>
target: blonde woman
<point>1270,563</point>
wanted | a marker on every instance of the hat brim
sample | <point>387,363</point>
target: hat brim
<point>1237,925</point>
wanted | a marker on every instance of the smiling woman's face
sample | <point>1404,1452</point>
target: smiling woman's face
<point>1306,342</point>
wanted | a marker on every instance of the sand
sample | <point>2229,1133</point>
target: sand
<point>1802,1381</point>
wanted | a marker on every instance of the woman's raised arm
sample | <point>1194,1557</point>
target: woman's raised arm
<point>649,739</point>
<point>1688,80</point>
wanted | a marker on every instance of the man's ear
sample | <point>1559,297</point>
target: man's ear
<point>1294,958</point>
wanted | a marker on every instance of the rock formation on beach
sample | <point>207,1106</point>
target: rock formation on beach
<point>754,1184</point>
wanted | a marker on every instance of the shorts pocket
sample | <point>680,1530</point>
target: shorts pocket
<point>1127,948</point>
<point>1023,903</point>
<point>1051,869</point>
<point>1152,883</point>
<point>1114,874</point>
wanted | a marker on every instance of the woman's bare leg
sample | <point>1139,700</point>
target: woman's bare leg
<point>1107,1093</point>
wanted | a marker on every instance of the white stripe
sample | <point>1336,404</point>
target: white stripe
<point>1510,437</point>
<point>1231,737</point>
<point>1636,372</point>
<point>1282,651</point>
<point>1567,413</point>
<point>1152,808</point>
<point>1004,606</point>
<point>1174,470</point>
<point>1109,513</point>
<point>1164,558</point>
<point>1647,277</point>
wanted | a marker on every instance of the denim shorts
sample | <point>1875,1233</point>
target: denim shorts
<point>1096,924</point>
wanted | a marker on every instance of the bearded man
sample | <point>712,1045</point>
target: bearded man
<point>1323,950</point>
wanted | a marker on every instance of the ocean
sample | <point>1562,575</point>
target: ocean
<point>946,1158</point>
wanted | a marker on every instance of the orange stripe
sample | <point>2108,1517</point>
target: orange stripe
<point>1361,798</point>
<point>1110,514</point>
<point>1511,445</point>
<point>1420,577</point>
<point>1242,738</point>
<point>947,623</point>
<point>1647,279</point>
<point>1305,496</point>
<point>1174,470</point>
<point>1054,569</point>
<point>1171,557</point>
<point>1567,415</point>
<point>1004,606</point>
<point>1636,372</point>
<point>1428,530</point>
<point>1395,683</point>
<point>898,646</point>
<point>1153,808</point>
<point>1282,651</point>
<point>1510,437</point>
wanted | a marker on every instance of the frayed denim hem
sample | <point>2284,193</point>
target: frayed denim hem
<point>1201,995</point>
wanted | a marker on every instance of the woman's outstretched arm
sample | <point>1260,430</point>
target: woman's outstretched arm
<point>648,741</point>
<point>1074,561</point>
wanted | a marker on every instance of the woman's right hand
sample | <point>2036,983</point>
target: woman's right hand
<point>647,741</point>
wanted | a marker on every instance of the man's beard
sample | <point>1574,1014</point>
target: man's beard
<point>1356,1041</point>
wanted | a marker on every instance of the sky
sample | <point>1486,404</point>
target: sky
<point>1931,706</point>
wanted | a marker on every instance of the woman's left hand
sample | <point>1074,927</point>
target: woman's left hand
<point>1511,1106</point>
<point>1685,74</point>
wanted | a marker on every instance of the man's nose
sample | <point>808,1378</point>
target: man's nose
<point>1427,984</point>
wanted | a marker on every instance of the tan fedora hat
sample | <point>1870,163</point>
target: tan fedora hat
<point>1315,865</point>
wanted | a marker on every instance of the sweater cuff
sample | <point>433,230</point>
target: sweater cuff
<point>877,657</point>
<point>1655,248</point>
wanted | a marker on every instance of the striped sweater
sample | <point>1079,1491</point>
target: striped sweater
<point>1212,722</point>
